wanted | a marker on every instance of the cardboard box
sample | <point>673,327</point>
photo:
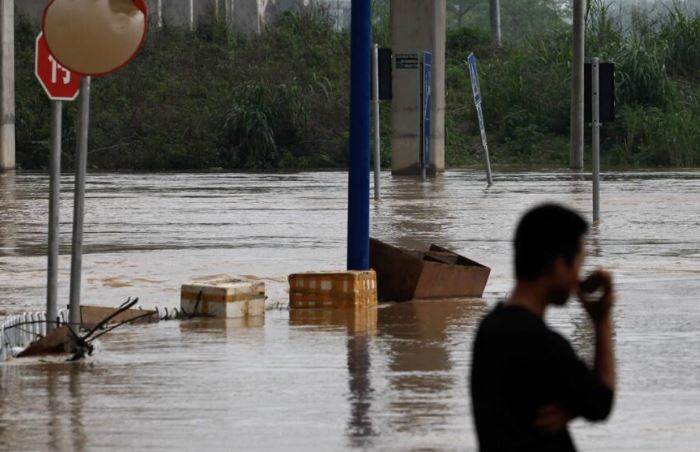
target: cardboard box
<point>404,275</point>
<point>224,297</point>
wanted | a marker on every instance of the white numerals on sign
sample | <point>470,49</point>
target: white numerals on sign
<point>55,67</point>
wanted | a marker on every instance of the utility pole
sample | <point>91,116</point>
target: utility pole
<point>54,215</point>
<point>595,139</point>
<point>495,13</point>
<point>81,155</point>
<point>577,88</point>
<point>7,82</point>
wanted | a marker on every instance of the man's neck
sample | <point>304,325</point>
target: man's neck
<point>530,296</point>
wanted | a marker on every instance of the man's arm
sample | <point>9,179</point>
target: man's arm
<point>605,353</point>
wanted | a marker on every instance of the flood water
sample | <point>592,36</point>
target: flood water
<point>391,379</point>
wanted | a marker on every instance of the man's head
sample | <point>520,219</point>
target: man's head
<point>549,250</point>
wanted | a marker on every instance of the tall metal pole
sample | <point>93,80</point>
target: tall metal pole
<point>79,204</point>
<point>377,138</point>
<point>423,164</point>
<point>595,141</point>
<point>191,15</point>
<point>7,85</point>
<point>54,205</point>
<point>577,88</point>
<point>358,180</point>
<point>495,13</point>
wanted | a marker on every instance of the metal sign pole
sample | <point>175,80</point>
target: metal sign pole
<point>476,90</point>
<point>54,206</point>
<point>422,120</point>
<point>79,204</point>
<point>377,142</point>
<point>426,111</point>
<point>487,156</point>
<point>595,110</point>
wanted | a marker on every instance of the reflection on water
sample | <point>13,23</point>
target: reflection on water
<point>361,325</point>
<point>393,378</point>
<point>56,397</point>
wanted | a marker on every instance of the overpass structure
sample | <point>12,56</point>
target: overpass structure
<point>245,16</point>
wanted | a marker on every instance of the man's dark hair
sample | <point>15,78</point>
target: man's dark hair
<point>545,233</point>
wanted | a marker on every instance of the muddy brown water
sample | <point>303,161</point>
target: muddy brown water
<point>391,379</point>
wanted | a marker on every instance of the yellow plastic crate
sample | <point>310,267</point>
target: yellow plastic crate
<point>333,289</point>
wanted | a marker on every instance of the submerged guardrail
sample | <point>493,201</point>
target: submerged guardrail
<point>20,330</point>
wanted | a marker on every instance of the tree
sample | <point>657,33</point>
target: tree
<point>460,8</point>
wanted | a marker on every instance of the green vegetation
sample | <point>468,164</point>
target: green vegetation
<point>213,99</point>
<point>526,90</point>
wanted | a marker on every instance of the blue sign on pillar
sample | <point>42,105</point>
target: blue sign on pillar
<point>426,110</point>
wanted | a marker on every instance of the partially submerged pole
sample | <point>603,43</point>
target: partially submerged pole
<point>377,138</point>
<point>79,204</point>
<point>54,204</point>
<point>495,16</point>
<point>7,85</point>
<point>595,140</point>
<point>577,86</point>
<point>358,179</point>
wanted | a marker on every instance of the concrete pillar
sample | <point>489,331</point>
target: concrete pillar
<point>417,26</point>
<point>250,16</point>
<point>159,13</point>
<point>577,86</point>
<point>228,11</point>
<point>7,82</point>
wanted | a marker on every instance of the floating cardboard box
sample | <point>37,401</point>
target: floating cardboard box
<point>333,289</point>
<point>224,297</point>
<point>91,316</point>
<point>55,343</point>
<point>438,273</point>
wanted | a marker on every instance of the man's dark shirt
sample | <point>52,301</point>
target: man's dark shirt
<point>519,366</point>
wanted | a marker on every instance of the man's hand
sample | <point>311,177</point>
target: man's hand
<point>597,296</point>
<point>552,418</point>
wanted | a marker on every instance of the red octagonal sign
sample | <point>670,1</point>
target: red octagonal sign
<point>58,82</point>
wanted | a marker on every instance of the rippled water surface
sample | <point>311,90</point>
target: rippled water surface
<point>394,378</point>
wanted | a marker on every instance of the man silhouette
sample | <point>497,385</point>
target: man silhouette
<point>527,383</point>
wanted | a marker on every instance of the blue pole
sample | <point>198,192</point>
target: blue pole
<point>358,184</point>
